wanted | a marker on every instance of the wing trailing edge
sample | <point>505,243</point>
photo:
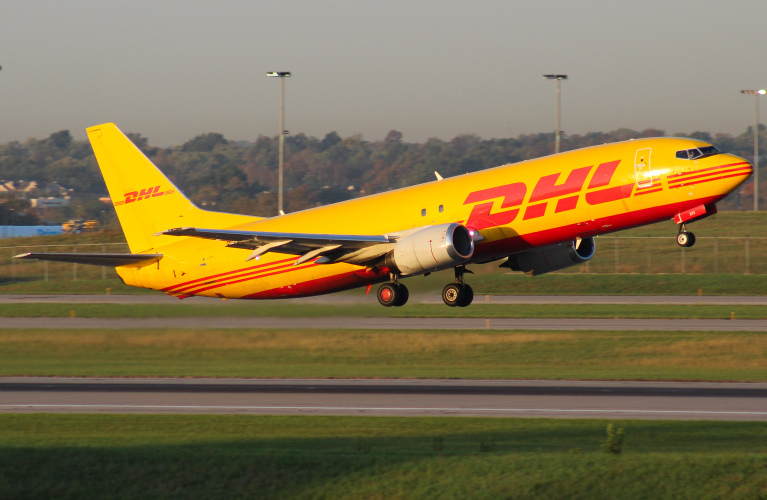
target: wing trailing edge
<point>351,248</point>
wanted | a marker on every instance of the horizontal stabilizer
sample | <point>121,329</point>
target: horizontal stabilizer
<point>97,259</point>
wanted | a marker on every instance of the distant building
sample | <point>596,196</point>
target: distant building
<point>49,202</point>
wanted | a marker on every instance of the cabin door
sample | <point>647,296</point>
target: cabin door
<point>642,168</point>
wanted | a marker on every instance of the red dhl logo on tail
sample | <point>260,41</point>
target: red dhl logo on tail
<point>546,189</point>
<point>144,194</point>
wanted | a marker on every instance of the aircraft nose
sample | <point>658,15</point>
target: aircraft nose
<point>735,171</point>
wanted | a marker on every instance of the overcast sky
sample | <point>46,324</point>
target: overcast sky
<point>174,69</point>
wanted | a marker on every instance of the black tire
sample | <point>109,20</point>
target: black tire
<point>401,295</point>
<point>452,294</point>
<point>387,294</point>
<point>690,239</point>
<point>467,296</point>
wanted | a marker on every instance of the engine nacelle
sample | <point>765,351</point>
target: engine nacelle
<point>552,258</point>
<point>431,249</point>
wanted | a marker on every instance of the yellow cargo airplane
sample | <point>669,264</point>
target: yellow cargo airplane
<point>538,215</point>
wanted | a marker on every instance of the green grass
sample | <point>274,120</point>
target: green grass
<point>482,354</point>
<point>73,287</point>
<point>249,309</point>
<point>489,281</point>
<point>724,224</point>
<point>203,456</point>
<point>619,284</point>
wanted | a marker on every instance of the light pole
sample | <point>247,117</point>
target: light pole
<point>559,79</point>
<point>756,94</point>
<point>281,75</point>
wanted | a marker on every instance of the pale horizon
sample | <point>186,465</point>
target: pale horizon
<point>173,70</point>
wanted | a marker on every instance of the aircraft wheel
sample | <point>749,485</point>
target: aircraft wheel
<point>401,296</point>
<point>467,296</point>
<point>453,294</point>
<point>685,239</point>
<point>690,239</point>
<point>387,294</point>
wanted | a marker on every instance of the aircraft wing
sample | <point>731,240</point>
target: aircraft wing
<point>329,247</point>
<point>97,259</point>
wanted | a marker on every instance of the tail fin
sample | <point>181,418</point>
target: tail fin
<point>145,200</point>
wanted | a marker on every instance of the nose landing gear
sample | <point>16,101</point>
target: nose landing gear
<point>685,238</point>
<point>459,293</point>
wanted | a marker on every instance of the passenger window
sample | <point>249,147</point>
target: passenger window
<point>441,208</point>
<point>423,212</point>
<point>682,155</point>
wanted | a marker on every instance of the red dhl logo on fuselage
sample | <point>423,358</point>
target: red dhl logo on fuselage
<point>144,194</point>
<point>546,189</point>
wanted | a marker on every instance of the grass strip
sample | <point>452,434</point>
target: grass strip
<point>205,456</point>
<point>597,355</point>
<point>72,287</point>
<point>619,284</point>
<point>260,310</point>
<point>488,280</point>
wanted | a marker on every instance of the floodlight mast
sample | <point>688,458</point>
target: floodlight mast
<point>281,75</point>
<point>559,79</point>
<point>756,94</point>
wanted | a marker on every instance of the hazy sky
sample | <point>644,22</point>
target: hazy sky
<point>175,69</point>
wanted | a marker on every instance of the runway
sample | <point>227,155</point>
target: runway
<point>496,398</point>
<point>359,297</point>
<point>383,323</point>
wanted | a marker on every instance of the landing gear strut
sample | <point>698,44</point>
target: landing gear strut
<point>685,238</point>
<point>393,294</point>
<point>459,293</point>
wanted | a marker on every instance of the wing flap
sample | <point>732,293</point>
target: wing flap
<point>306,245</point>
<point>262,237</point>
<point>97,259</point>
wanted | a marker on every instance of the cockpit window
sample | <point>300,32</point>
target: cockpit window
<point>694,154</point>
<point>708,151</point>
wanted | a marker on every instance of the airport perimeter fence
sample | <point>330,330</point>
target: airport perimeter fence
<point>614,255</point>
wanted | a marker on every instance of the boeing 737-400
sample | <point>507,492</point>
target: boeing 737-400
<point>536,216</point>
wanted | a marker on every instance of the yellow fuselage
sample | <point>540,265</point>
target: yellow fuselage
<point>513,208</point>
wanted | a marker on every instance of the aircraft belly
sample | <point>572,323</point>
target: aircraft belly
<point>321,279</point>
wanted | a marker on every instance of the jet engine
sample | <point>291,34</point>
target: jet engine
<point>552,258</point>
<point>431,249</point>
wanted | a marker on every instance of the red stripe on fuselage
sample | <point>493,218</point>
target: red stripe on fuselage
<point>695,172</point>
<point>249,278</point>
<point>648,191</point>
<point>679,182</point>
<point>213,276</point>
<point>684,184</point>
<point>221,282</point>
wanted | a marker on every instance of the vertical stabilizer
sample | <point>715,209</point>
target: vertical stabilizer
<point>145,200</point>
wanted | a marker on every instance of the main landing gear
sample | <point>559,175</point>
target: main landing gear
<point>459,293</point>
<point>393,294</point>
<point>685,238</point>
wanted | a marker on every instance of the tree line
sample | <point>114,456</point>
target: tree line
<point>241,177</point>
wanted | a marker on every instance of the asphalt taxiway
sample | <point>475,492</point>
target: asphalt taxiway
<point>497,398</point>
